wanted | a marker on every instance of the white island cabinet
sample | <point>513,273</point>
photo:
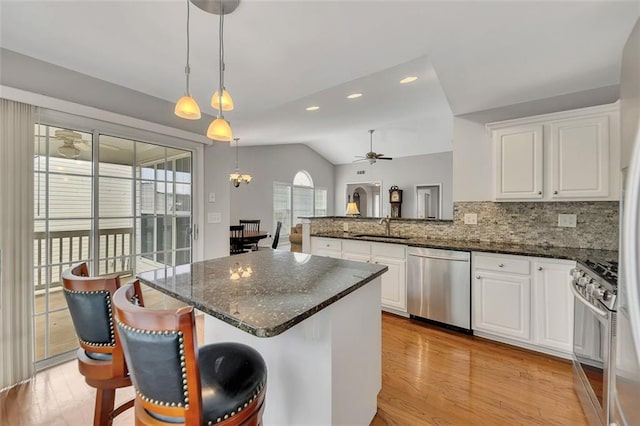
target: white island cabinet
<point>524,301</point>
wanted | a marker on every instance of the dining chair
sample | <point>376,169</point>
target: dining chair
<point>276,236</point>
<point>100,357</point>
<point>178,383</point>
<point>251,225</point>
<point>236,239</point>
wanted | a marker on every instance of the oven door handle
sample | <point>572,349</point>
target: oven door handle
<point>580,297</point>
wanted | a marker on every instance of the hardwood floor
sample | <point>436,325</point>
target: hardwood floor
<point>434,376</point>
<point>429,376</point>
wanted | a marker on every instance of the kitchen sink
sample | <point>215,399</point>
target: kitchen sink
<point>390,237</point>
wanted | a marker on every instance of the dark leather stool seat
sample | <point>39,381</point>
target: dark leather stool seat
<point>220,383</point>
<point>232,376</point>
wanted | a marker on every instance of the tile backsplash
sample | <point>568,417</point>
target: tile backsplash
<point>515,222</point>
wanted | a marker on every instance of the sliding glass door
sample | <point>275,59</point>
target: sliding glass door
<point>121,205</point>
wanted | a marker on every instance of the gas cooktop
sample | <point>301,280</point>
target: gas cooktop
<point>606,270</point>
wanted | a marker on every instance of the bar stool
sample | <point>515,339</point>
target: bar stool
<point>100,357</point>
<point>177,383</point>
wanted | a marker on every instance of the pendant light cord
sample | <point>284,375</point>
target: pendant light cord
<point>237,139</point>
<point>221,51</point>
<point>187,68</point>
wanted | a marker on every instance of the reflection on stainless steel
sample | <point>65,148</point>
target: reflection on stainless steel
<point>439,286</point>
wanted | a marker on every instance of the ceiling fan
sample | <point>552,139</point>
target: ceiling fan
<point>72,143</point>
<point>371,156</point>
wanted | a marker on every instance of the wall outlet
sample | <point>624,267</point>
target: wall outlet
<point>212,197</point>
<point>214,217</point>
<point>470,218</point>
<point>567,220</point>
<point>345,227</point>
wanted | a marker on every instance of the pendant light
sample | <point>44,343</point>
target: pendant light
<point>187,107</point>
<point>219,129</point>
<point>237,178</point>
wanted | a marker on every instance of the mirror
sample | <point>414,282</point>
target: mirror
<point>366,196</point>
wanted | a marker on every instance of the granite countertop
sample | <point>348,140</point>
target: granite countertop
<point>570,253</point>
<point>265,292</point>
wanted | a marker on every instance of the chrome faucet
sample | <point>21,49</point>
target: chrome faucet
<point>387,222</point>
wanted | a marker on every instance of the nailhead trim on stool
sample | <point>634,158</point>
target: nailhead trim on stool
<point>240,408</point>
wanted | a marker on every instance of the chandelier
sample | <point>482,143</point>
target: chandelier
<point>236,177</point>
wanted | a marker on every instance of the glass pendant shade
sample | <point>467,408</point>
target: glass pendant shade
<point>227,101</point>
<point>220,130</point>
<point>188,108</point>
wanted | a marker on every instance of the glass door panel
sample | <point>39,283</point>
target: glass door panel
<point>63,173</point>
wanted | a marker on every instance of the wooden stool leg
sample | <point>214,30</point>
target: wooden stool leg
<point>105,400</point>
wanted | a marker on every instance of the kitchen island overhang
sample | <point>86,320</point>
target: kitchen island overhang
<point>315,320</point>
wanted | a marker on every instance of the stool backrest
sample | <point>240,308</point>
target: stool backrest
<point>160,350</point>
<point>90,305</point>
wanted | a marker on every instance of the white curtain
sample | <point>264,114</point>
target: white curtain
<point>16,242</point>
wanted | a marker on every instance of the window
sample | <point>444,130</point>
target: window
<point>282,206</point>
<point>300,199</point>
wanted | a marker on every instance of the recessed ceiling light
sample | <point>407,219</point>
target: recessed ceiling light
<point>408,80</point>
<point>312,108</point>
<point>354,95</point>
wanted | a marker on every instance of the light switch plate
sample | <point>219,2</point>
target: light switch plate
<point>214,217</point>
<point>567,220</point>
<point>345,227</point>
<point>470,218</point>
<point>212,197</point>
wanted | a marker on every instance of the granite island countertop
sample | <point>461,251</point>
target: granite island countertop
<point>265,292</point>
<point>569,253</point>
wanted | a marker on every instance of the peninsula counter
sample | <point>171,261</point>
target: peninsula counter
<point>315,320</point>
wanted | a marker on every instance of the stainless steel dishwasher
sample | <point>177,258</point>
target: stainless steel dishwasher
<point>439,286</point>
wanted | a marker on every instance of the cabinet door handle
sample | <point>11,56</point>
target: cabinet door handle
<point>555,192</point>
<point>501,265</point>
<point>477,277</point>
<point>539,268</point>
<point>539,192</point>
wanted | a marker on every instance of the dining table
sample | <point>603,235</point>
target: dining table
<point>250,237</point>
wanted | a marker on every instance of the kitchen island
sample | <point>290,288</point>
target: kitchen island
<point>315,320</point>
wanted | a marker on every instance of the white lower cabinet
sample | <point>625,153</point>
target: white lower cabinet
<point>553,303</point>
<point>502,304</point>
<point>523,301</point>
<point>394,256</point>
<point>330,247</point>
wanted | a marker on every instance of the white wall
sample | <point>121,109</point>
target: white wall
<point>217,158</point>
<point>267,164</point>
<point>406,173</point>
<point>472,161</point>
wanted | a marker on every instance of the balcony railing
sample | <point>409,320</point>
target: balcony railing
<point>69,247</point>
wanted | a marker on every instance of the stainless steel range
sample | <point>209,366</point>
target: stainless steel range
<point>594,286</point>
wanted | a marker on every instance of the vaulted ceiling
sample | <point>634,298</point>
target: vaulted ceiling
<point>282,56</point>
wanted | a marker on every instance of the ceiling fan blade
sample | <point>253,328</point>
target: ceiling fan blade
<point>358,160</point>
<point>385,158</point>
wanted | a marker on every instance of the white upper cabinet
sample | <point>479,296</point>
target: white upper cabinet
<point>570,155</point>
<point>580,158</point>
<point>519,162</point>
